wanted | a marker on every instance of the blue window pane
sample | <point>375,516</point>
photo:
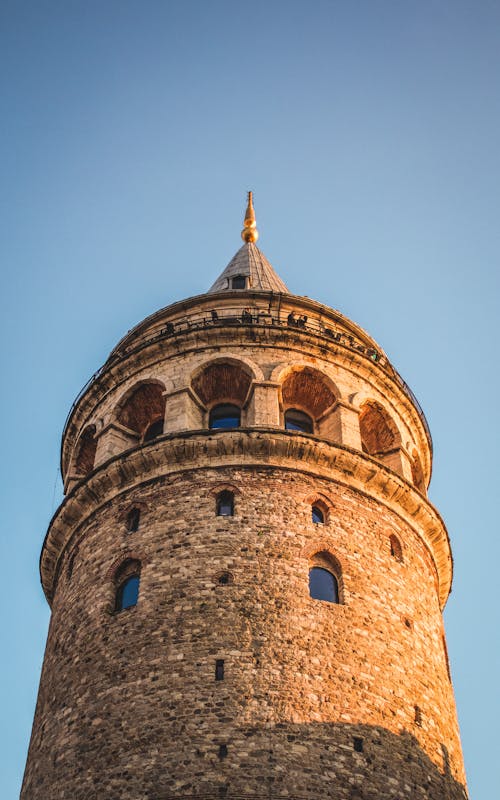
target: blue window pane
<point>296,420</point>
<point>225,416</point>
<point>317,515</point>
<point>323,585</point>
<point>128,593</point>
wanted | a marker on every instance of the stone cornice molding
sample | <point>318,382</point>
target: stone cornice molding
<point>246,447</point>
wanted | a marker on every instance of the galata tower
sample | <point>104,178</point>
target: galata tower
<point>246,576</point>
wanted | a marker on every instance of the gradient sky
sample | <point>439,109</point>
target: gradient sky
<point>370,134</point>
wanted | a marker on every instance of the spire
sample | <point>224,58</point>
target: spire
<point>250,232</point>
<point>249,268</point>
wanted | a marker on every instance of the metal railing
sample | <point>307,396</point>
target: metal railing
<point>254,317</point>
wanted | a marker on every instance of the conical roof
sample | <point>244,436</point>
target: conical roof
<point>249,268</point>
<point>250,263</point>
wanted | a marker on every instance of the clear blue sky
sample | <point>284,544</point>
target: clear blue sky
<point>369,132</point>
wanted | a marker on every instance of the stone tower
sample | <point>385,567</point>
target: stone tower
<point>246,576</point>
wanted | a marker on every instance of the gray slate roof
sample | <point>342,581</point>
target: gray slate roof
<point>252,263</point>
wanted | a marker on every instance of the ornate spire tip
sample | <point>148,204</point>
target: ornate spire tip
<point>249,232</point>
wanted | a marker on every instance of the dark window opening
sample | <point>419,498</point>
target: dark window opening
<point>225,504</point>
<point>224,579</point>
<point>133,519</point>
<point>127,594</point>
<point>222,751</point>
<point>225,416</point>
<point>418,715</point>
<point>323,585</point>
<point>154,430</point>
<point>317,515</point>
<point>239,282</point>
<point>358,744</point>
<point>296,420</point>
<point>219,669</point>
<point>396,549</point>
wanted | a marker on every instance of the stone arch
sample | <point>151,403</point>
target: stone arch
<point>223,380</point>
<point>85,451</point>
<point>117,568</point>
<point>320,501</point>
<point>223,486</point>
<point>142,407</point>
<point>417,472</point>
<point>308,390</point>
<point>379,432</point>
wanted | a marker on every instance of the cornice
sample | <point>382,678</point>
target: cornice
<point>246,447</point>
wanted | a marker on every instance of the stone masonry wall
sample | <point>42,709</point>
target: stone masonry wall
<point>339,701</point>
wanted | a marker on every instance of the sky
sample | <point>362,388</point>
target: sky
<point>369,132</point>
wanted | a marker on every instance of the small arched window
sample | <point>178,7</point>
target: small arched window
<point>225,415</point>
<point>127,593</point>
<point>318,516</point>
<point>396,549</point>
<point>296,420</point>
<point>225,504</point>
<point>154,430</point>
<point>325,578</point>
<point>127,579</point>
<point>133,519</point>
<point>323,585</point>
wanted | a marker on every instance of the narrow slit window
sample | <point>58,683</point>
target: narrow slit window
<point>396,549</point>
<point>358,744</point>
<point>133,520</point>
<point>225,504</point>
<point>219,669</point>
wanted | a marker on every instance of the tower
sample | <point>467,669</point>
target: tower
<point>246,576</point>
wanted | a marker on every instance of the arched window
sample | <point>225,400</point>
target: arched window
<point>296,420</point>
<point>143,410</point>
<point>154,430</point>
<point>225,415</point>
<point>325,578</point>
<point>225,504</point>
<point>396,549</point>
<point>127,593</point>
<point>133,519</point>
<point>127,579</point>
<point>323,585</point>
<point>317,515</point>
<point>379,433</point>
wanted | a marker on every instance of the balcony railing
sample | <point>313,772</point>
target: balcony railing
<point>258,318</point>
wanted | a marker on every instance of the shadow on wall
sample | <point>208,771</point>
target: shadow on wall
<point>335,761</point>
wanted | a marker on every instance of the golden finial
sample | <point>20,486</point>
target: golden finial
<point>249,232</point>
